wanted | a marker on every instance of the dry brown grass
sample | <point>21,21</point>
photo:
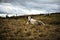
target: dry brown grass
<point>17,29</point>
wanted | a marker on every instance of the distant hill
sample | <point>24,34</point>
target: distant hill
<point>2,14</point>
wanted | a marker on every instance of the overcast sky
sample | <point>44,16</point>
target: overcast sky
<point>29,6</point>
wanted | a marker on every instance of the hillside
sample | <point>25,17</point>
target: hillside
<point>15,28</point>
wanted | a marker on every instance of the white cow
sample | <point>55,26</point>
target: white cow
<point>33,21</point>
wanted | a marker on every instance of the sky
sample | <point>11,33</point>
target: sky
<point>26,7</point>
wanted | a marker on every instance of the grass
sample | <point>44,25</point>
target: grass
<point>15,28</point>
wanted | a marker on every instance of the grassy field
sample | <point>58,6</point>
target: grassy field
<point>15,28</point>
